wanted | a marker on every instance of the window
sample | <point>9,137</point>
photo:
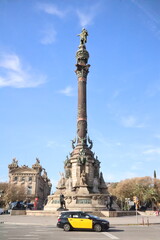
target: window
<point>83,215</point>
<point>15,178</point>
<point>23,179</point>
<point>30,179</point>
<point>29,190</point>
<point>76,215</point>
<point>66,215</point>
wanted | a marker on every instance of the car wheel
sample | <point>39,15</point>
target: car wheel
<point>67,227</point>
<point>97,228</point>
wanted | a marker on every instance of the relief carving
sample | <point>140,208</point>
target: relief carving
<point>68,200</point>
<point>94,197</point>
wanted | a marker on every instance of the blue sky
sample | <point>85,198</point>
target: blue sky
<point>38,86</point>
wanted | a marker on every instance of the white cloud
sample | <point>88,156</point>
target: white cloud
<point>86,16</point>
<point>150,13</point>
<point>51,9</point>
<point>153,22</point>
<point>11,62</point>
<point>49,35</point>
<point>131,122</point>
<point>68,91</point>
<point>14,74</point>
<point>152,151</point>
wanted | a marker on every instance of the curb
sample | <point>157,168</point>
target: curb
<point>133,224</point>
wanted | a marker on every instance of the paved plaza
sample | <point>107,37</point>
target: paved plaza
<point>52,220</point>
<point>44,228</point>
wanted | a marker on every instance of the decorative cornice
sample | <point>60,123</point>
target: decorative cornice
<point>82,71</point>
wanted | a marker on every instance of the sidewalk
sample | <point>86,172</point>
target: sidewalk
<point>52,220</point>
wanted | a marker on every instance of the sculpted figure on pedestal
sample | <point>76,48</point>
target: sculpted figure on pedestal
<point>95,185</point>
<point>69,184</point>
<point>37,160</point>
<point>14,161</point>
<point>83,36</point>
<point>83,178</point>
<point>90,142</point>
<point>73,142</point>
<point>62,201</point>
<point>61,182</point>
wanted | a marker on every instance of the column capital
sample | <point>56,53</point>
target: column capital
<point>82,71</point>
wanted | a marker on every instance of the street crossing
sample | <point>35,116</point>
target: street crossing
<point>25,232</point>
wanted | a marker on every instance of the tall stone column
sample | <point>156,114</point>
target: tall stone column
<point>82,71</point>
<point>82,183</point>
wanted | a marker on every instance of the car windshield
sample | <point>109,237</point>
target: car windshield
<point>65,215</point>
<point>93,216</point>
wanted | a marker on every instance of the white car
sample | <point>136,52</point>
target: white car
<point>1,211</point>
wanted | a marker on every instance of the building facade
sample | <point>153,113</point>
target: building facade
<point>34,179</point>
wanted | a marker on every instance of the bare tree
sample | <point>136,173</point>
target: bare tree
<point>12,193</point>
<point>146,189</point>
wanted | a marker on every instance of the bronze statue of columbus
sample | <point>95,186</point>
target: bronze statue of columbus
<point>83,36</point>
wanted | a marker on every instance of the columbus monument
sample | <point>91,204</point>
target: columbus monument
<point>82,183</point>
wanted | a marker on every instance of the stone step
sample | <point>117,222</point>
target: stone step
<point>40,213</point>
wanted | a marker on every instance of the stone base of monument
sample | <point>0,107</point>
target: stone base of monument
<point>100,214</point>
<point>82,190</point>
<point>80,201</point>
<point>40,213</point>
<point>62,209</point>
<point>18,212</point>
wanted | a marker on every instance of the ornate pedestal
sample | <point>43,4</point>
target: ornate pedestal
<point>83,202</point>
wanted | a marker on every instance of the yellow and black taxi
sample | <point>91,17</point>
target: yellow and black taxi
<point>69,220</point>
